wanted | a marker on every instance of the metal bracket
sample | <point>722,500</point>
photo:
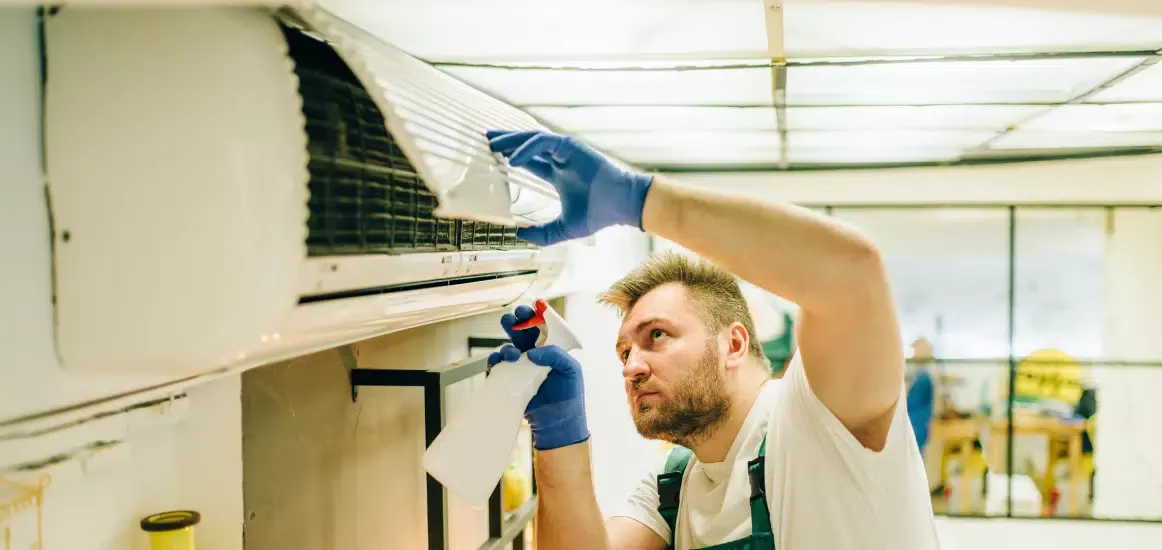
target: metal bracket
<point>350,363</point>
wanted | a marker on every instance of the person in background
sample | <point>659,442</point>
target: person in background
<point>822,458</point>
<point>921,392</point>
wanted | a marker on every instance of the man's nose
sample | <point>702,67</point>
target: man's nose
<point>635,367</point>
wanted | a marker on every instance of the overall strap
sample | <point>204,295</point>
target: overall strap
<point>670,487</point>
<point>760,513</point>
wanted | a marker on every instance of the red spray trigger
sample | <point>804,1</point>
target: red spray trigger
<point>537,319</point>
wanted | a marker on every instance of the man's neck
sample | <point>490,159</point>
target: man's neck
<point>716,445</point>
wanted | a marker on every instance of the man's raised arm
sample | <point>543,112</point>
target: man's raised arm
<point>848,335</point>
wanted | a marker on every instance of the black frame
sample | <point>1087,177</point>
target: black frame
<point>1012,360</point>
<point>434,381</point>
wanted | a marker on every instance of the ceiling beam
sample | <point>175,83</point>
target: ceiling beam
<point>712,63</point>
<point>828,105</point>
<point>777,53</point>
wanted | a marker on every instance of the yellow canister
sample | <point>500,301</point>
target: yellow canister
<point>171,530</point>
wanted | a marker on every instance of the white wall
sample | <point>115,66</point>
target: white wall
<point>107,473</point>
<point>186,455</point>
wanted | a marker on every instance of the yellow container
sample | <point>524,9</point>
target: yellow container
<point>171,530</point>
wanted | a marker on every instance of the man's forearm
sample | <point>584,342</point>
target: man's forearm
<point>567,513</point>
<point>785,249</point>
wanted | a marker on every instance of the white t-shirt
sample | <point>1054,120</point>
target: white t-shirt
<point>824,489</point>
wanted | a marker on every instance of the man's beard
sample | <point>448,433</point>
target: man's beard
<point>698,405</point>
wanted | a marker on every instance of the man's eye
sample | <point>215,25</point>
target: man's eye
<point>625,356</point>
<point>657,333</point>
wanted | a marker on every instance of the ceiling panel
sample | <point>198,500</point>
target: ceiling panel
<point>1099,118</point>
<point>855,29</point>
<point>871,154</point>
<point>700,156</point>
<point>1143,86</point>
<point>558,30</point>
<point>677,139</point>
<point>592,87</point>
<point>585,119</point>
<point>951,82</point>
<point>858,140</point>
<point>950,117</point>
<point>1023,139</point>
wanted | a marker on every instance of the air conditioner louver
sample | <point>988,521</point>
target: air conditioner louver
<point>438,122</point>
<point>366,196</point>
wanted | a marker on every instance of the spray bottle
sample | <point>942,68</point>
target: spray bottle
<point>473,450</point>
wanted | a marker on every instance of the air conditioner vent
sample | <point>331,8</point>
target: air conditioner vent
<point>487,236</point>
<point>365,196</point>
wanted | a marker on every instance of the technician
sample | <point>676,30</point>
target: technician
<point>822,459</point>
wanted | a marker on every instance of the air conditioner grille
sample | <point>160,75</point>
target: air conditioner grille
<point>483,236</point>
<point>365,195</point>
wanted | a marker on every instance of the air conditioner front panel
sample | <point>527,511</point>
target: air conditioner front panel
<point>177,171</point>
<point>321,325</point>
<point>333,275</point>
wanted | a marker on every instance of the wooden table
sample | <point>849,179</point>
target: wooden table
<point>1054,429</point>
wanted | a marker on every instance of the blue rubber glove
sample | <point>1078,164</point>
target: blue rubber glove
<point>595,193</point>
<point>556,413</point>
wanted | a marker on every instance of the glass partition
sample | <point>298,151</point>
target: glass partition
<point>1062,305</point>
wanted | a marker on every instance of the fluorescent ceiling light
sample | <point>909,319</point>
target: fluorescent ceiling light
<point>662,118</point>
<point>1055,80</point>
<point>523,30</point>
<point>548,87</point>
<point>716,140</point>
<point>949,117</point>
<point>1099,118</point>
<point>844,29</point>
<point>1143,86</point>
<point>1022,139</point>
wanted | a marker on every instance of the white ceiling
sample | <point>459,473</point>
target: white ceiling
<point>692,84</point>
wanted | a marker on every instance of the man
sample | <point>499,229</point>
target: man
<point>829,447</point>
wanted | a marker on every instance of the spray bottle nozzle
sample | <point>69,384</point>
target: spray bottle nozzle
<point>537,319</point>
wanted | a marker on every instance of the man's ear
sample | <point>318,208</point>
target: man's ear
<point>738,345</point>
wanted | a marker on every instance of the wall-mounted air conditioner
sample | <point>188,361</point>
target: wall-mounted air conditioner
<point>235,185</point>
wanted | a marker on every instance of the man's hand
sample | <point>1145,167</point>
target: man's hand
<point>556,413</point>
<point>595,193</point>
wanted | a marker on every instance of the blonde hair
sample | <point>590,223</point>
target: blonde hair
<point>714,291</point>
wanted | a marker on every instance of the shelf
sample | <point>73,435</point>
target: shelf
<point>434,381</point>
<point>513,529</point>
<point>441,377</point>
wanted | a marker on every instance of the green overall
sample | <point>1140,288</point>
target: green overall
<point>670,487</point>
